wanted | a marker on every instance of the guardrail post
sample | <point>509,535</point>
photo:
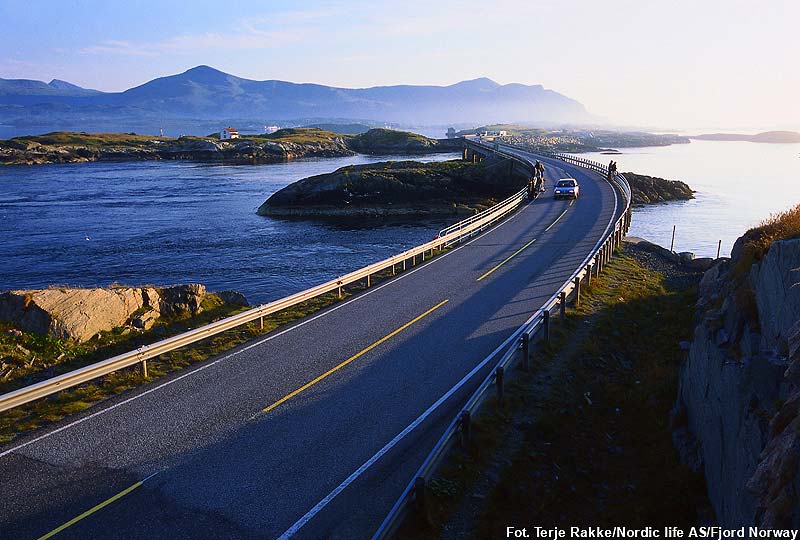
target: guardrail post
<point>367,281</point>
<point>589,270</point>
<point>563,305</point>
<point>546,325</point>
<point>404,265</point>
<point>526,351</point>
<point>144,368</point>
<point>577,291</point>
<point>498,379</point>
<point>339,290</point>
<point>261,322</point>
<point>465,425</point>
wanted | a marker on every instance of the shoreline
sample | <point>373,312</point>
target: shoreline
<point>279,147</point>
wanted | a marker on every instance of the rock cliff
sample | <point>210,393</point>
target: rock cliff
<point>737,417</point>
<point>80,314</point>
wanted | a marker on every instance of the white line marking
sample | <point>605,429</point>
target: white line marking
<point>252,345</point>
<point>391,444</point>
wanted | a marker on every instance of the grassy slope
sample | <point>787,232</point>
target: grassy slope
<point>593,445</point>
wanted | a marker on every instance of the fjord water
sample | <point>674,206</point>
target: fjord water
<point>164,222</point>
<point>737,184</point>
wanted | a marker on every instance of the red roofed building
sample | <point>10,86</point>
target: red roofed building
<point>228,133</point>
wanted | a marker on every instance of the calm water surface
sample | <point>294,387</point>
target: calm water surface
<point>178,222</point>
<point>162,222</point>
<point>738,185</point>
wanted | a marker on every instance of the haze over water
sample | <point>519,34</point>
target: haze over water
<point>738,184</point>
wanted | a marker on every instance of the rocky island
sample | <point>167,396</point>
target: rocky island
<point>397,188</point>
<point>651,189</point>
<point>283,145</point>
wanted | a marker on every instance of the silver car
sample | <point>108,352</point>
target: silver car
<point>567,188</point>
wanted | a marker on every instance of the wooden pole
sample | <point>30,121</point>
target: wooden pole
<point>672,244</point>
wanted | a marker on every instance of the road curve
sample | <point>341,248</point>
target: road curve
<point>289,433</point>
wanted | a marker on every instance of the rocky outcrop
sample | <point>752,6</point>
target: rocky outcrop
<point>737,417</point>
<point>246,151</point>
<point>684,258</point>
<point>651,189</point>
<point>80,314</point>
<point>390,141</point>
<point>283,145</point>
<point>397,188</point>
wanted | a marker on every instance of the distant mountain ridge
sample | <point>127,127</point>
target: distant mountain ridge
<point>207,93</point>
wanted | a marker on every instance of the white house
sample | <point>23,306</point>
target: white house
<point>228,133</point>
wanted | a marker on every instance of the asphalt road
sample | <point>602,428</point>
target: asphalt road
<point>196,455</point>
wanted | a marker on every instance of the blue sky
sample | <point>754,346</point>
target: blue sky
<point>701,63</point>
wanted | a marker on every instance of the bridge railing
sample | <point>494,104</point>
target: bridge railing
<point>517,197</point>
<point>465,229</point>
<point>537,327</point>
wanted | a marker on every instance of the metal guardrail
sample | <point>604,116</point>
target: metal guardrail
<point>451,235</point>
<point>537,326</point>
<point>519,195</point>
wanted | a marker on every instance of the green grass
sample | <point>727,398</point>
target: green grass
<point>97,140</point>
<point>757,241</point>
<point>103,140</point>
<point>301,136</point>
<point>598,450</point>
<point>379,137</point>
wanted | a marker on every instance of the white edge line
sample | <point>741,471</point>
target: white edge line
<point>391,444</point>
<point>248,347</point>
<point>308,516</point>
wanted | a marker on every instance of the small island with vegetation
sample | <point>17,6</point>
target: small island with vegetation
<point>572,139</point>
<point>397,188</point>
<point>283,145</point>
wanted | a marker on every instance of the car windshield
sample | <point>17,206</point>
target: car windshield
<point>566,183</point>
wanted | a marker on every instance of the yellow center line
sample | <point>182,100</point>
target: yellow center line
<point>560,216</point>
<point>507,259</point>
<point>526,245</point>
<point>91,511</point>
<point>352,358</point>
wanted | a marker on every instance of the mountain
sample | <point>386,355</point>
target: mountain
<point>27,87</point>
<point>209,94</point>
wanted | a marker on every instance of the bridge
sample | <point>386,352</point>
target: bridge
<point>315,430</point>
